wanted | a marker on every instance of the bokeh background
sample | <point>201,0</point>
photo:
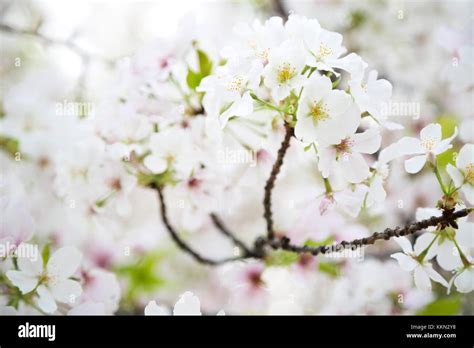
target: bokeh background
<point>56,51</point>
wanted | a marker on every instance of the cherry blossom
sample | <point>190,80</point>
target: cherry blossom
<point>416,260</point>
<point>53,281</point>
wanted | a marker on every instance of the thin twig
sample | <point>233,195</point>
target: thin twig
<point>448,218</point>
<point>225,231</point>
<point>267,201</point>
<point>181,243</point>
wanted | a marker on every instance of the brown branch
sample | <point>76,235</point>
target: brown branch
<point>267,201</point>
<point>225,231</point>
<point>181,243</point>
<point>448,218</point>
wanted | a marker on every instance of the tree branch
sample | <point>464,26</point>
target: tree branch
<point>267,201</point>
<point>448,218</point>
<point>225,231</point>
<point>181,243</point>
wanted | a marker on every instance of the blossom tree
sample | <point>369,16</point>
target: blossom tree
<point>276,140</point>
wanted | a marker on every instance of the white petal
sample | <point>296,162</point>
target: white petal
<point>431,131</point>
<point>448,256</point>
<point>367,142</point>
<point>445,144</point>
<point>22,281</point>
<point>305,130</point>
<point>66,290</point>
<point>30,266</point>
<point>377,192</point>
<point>465,156</point>
<point>45,300</point>
<point>152,308</point>
<point>435,275</point>
<point>221,312</point>
<point>455,174</point>
<point>188,304</point>
<point>355,169</point>
<point>155,163</point>
<point>409,146</point>
<point>64,262</point>
<point>464,282</point>
<point>415,164</point>
<point>422,242</point>
<point>405,244</point>
<point>422,279</point>
<point>468,191</point>
<point>407,263</point>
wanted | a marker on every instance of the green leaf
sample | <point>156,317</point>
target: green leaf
<point>444,306</point>
<point>142,275</point>
<point>329,268</point>
<point>281,258</point>
<point>193,79</point>
<point>448,124</point>
<point>314,244</point>
<point>205,64</point>
<point>45,254</point>
<point>164,178</point>
<point>9,145</point>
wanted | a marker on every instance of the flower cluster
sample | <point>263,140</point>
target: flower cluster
<point>202,124</point>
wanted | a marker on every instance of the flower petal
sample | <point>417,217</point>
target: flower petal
<point>435,275</point>
<point>422,279</point>
<point>155,163</point>
<point>152,308</point>
<point>448,256</point>
<point>367,142</point>
<point>355,169</point>
<point>66,290</point>
<point>464,282</point>
<point>455,174</point>
<point>422,242</point>
<point>188,304</point>
<point>64,262</point>
<point>45,300</point>
<point>405,244</point>
<point>415,164</point>
<point>22,281</point>
<point>406,262</point>
<point>431,131</point>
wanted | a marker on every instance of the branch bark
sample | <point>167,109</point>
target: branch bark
<point>180,242</point>
<point>267,200</point>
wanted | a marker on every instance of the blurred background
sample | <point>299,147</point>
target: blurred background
<point>63,50</point>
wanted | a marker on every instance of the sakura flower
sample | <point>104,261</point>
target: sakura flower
<point>257,41</point>
<point>371,95</point>
<point>52,282</point>
<point>167,152</point>
<point>463,173</point>
<point>282,74</point>
<point>426,148</point>
<point>345,157</point>
<point>416,260</point>
<point>463,279</point>
<point>325,115</point>
<point>188,304</point>
<point>227,92</point>
<point>447,253</point>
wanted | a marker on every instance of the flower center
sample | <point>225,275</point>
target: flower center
<point>236,84</point>
<point>344,146</point>
<point>285,73</point>
<point>324,50</point>
<point>318,111</point>
<point>469,173</point>
<point>428,143</point>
